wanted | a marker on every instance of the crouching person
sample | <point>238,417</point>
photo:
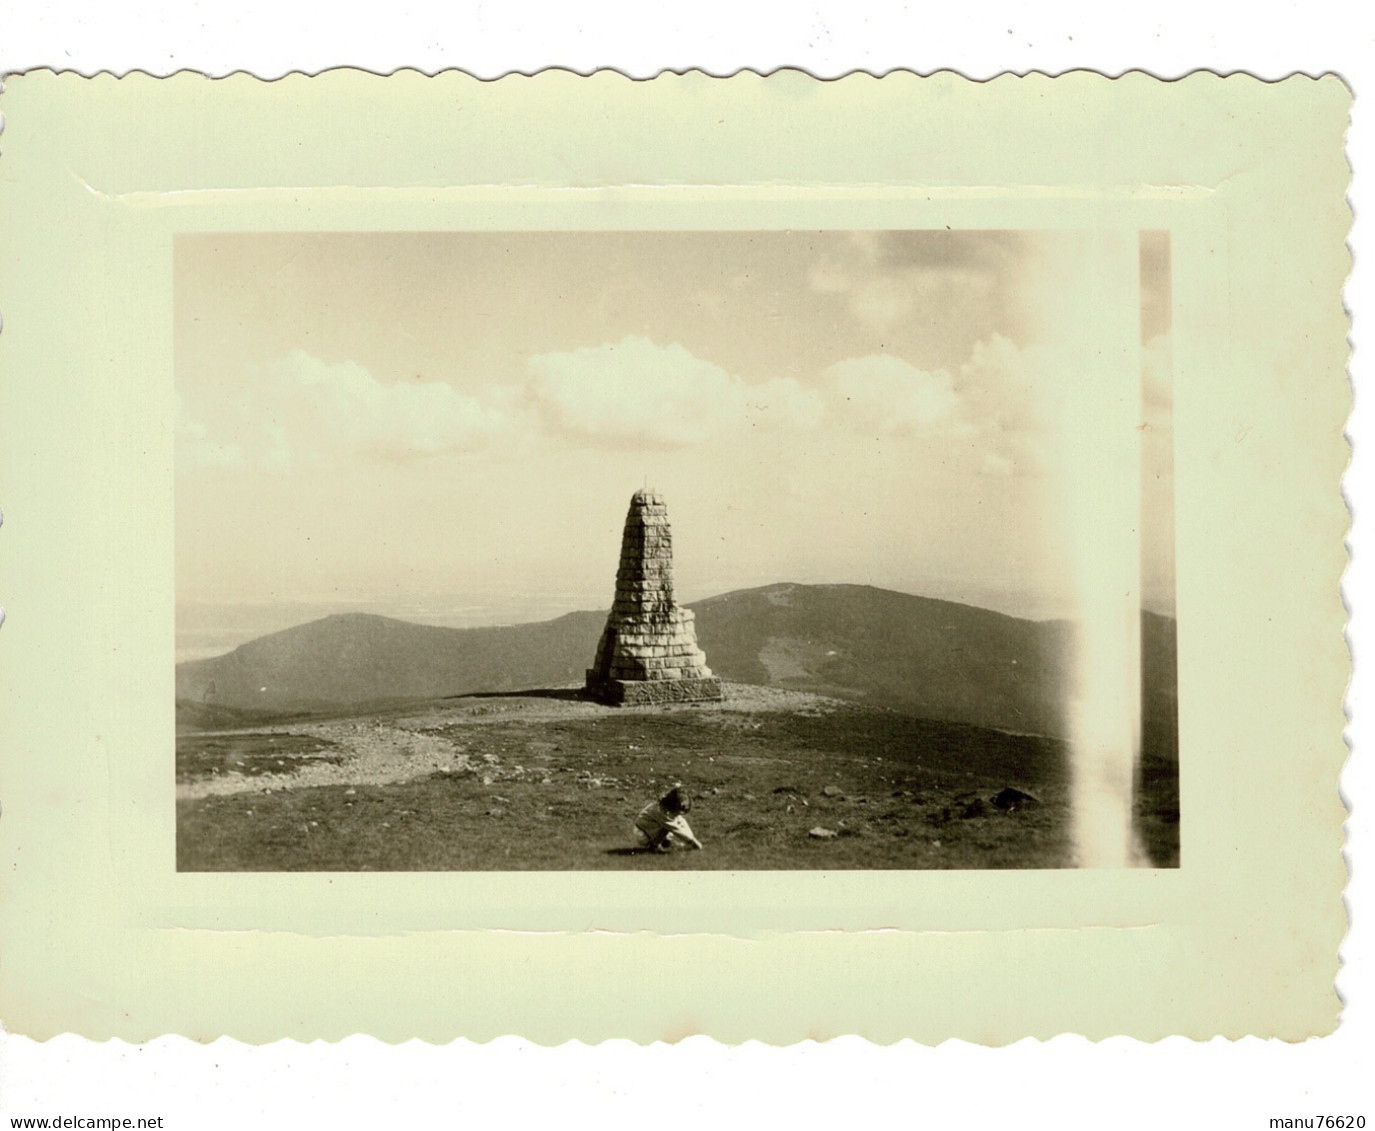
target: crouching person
<point>662,822</point>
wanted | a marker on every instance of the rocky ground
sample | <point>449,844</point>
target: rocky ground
<point>545,780</point>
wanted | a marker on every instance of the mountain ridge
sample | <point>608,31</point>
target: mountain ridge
<point>918,655</point>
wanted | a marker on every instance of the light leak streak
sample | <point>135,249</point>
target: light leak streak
<point>1088,359</point>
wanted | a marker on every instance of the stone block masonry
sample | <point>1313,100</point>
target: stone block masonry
<point>648,651</point>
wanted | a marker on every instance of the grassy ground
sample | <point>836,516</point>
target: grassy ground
<point>253,755</point>
<point>1157,806</point>
<point>561,793</point>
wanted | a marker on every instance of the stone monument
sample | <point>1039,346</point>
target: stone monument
<point>648,651</point>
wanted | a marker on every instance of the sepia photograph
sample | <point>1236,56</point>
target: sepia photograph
<point>874,495</point>
<point>588,559</point>
<point>674,550</point>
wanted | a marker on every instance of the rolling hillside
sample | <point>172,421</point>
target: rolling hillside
<point>937,659</point>
<point>356,658</point>
<point>929,658</point>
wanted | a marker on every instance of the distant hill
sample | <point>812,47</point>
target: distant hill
<point>357,658</point>
<point>935,659</point>
<point>926,657</point>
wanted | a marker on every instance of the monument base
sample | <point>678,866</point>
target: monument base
<point>640,692</point>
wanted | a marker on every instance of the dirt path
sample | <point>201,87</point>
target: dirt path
<point>417,744</point>
<point>373,754</point>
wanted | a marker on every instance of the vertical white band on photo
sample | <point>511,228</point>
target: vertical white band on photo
<point>1086,356</point>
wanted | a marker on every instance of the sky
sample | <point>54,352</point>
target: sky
<point>449,426</point>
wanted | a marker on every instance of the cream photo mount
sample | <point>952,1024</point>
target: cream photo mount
<point>104,937</point>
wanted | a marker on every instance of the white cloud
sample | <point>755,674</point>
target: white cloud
<point>782,402</point>
<point>884,282</point>
<point>1003,407</point>
<point>301,410</point>
<point>1013,399</point>
<point>889,394</point>
<point>344,406</point>
<point>990,413</point>
<point>998,388</point>
<point>1157,377</point>
<point>636,391</point>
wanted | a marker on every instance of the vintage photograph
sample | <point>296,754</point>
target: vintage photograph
<point>674,550</point>
<point>811,558</point>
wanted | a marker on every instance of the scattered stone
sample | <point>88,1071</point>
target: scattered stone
<point>822,834</point>
<point>749,797</point>
<point>1009,800</point>
<point>496,812</point>
<point>832,791</point>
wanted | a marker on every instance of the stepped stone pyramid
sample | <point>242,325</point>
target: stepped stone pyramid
<point>648,651</point>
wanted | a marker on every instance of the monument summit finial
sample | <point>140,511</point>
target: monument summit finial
<point>648,651</point>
